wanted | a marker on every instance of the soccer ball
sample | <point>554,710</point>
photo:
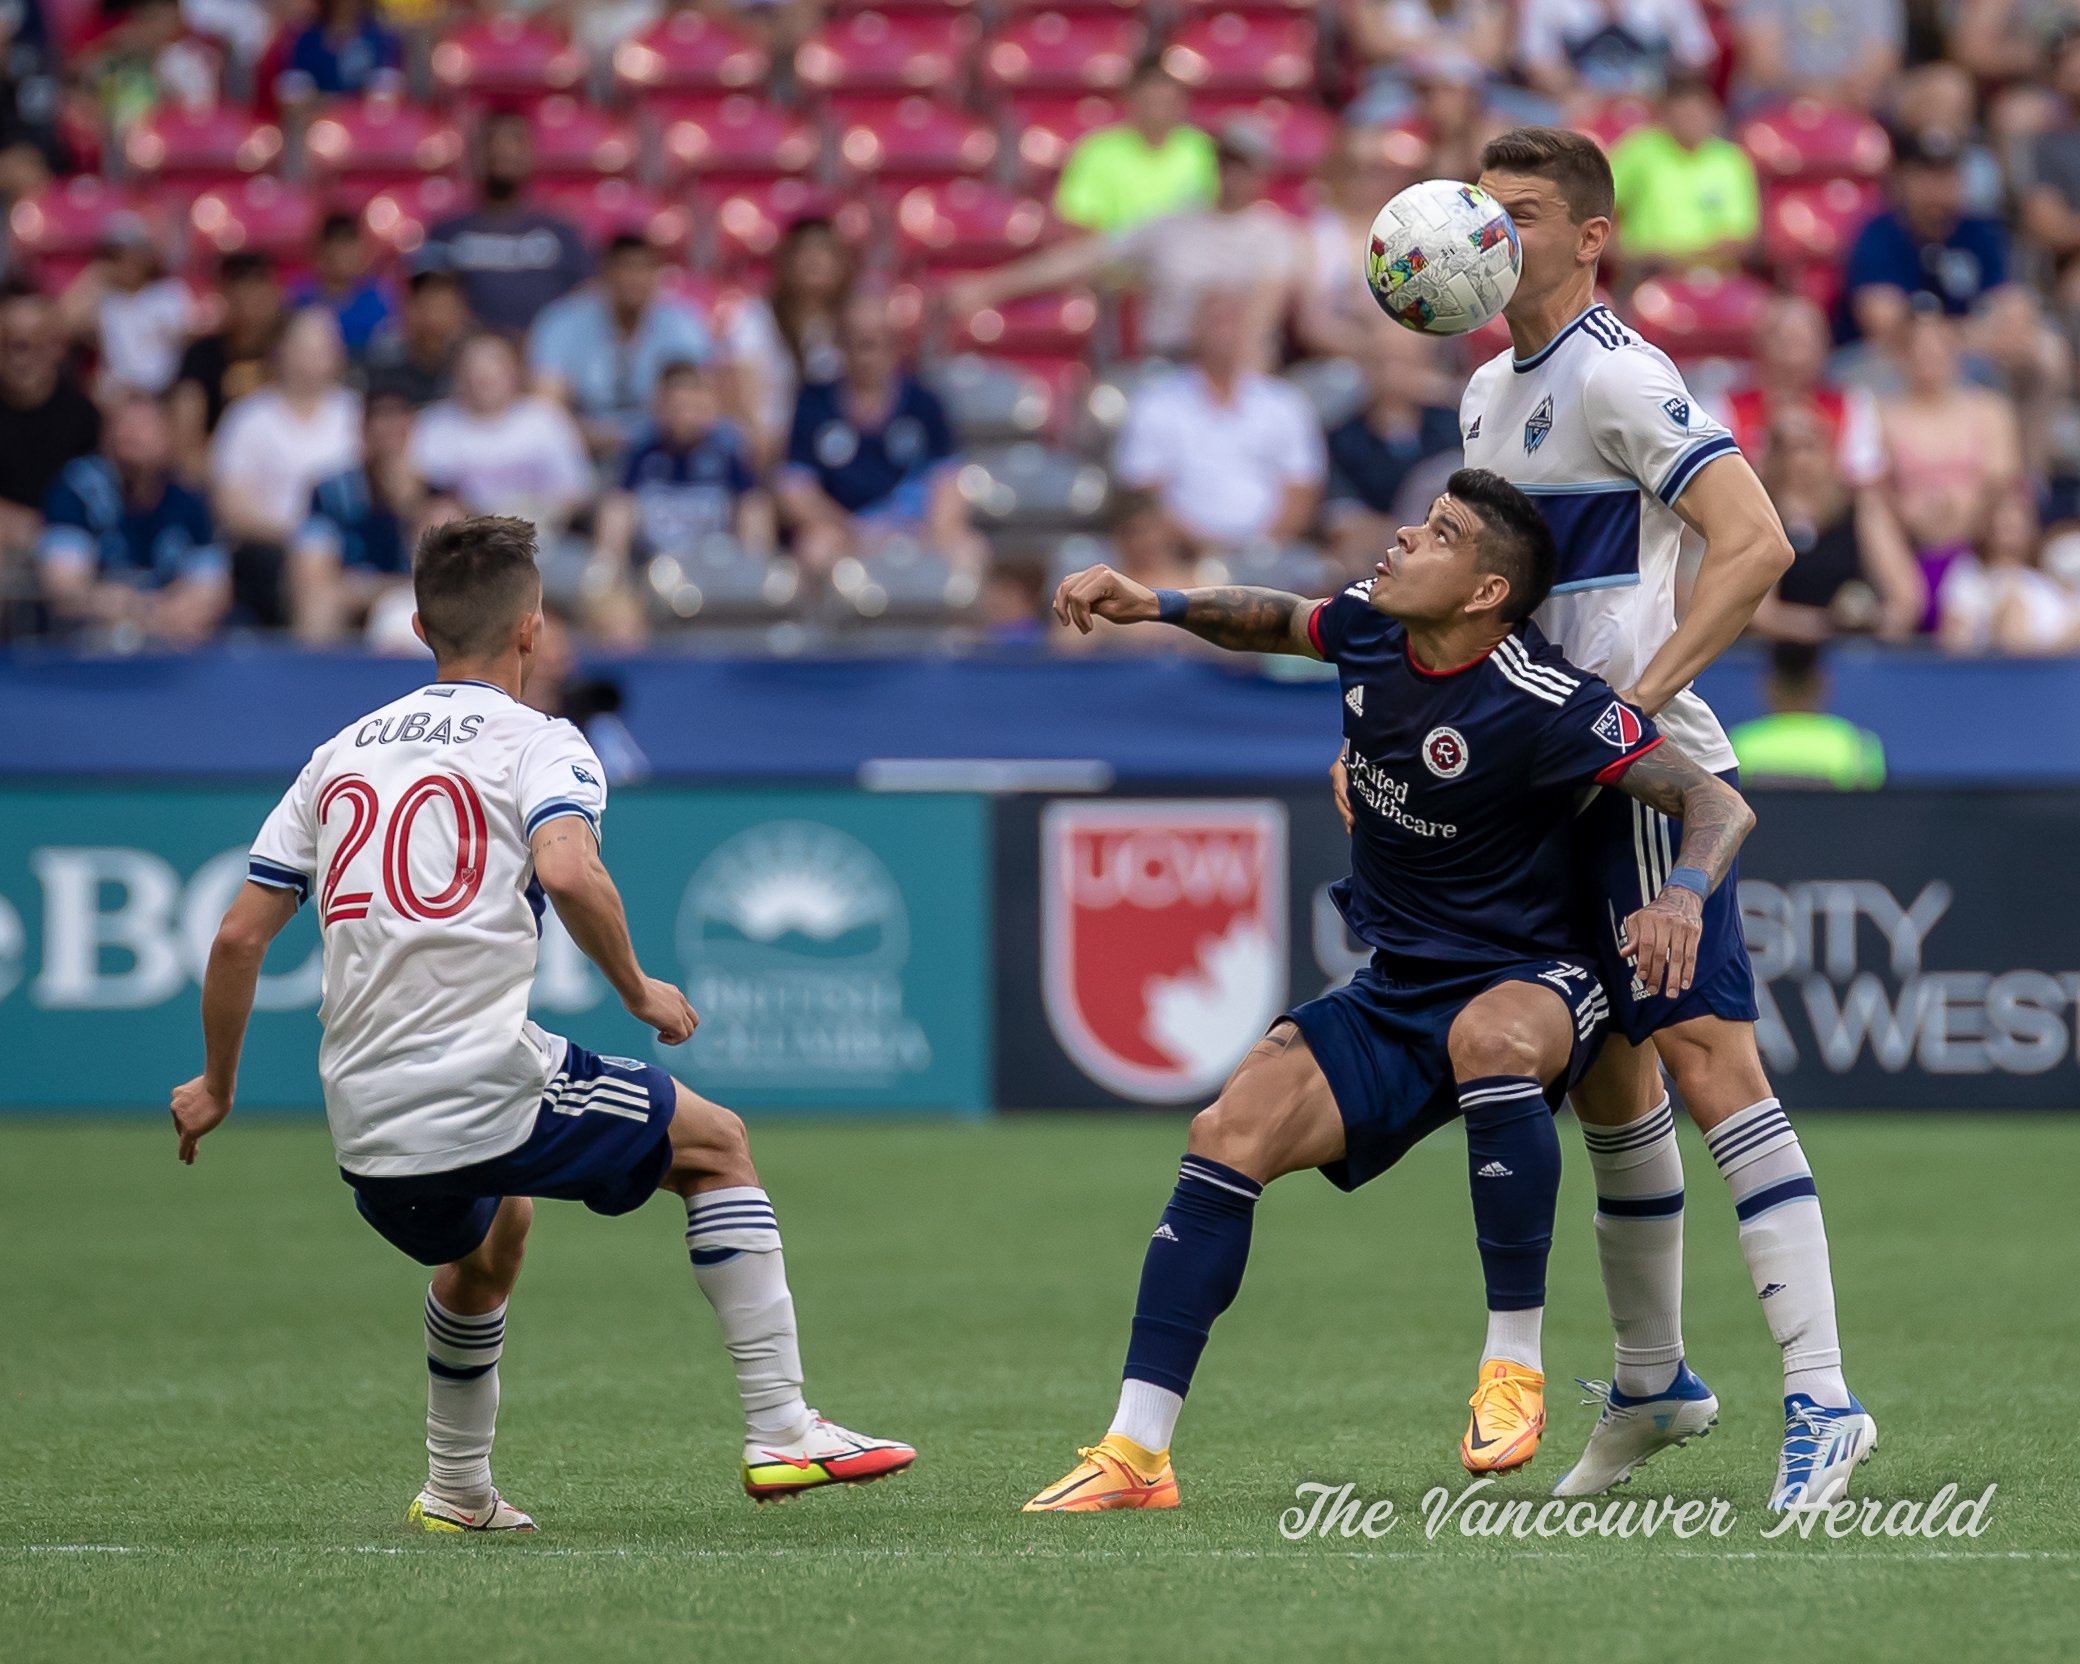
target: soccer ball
<point>1443,258</point>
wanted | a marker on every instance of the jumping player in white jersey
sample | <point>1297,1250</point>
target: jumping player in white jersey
<point>1597,426</point>
<point>431,834</point>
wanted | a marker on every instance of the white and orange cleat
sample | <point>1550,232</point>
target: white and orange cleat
<point>826,1454</point>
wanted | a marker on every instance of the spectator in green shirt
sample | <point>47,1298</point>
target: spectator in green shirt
<point>1151,164</point>
<point>1799,743</point>
<point>1686,196</point>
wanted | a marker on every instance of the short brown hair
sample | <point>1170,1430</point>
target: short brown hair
<point>1573,161</point>
<point>474,579</point>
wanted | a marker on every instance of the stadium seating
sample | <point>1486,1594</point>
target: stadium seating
<point>1610,120</point>
<point>1301,133</point>
<point>1806,139</point>
<point>966,225</point>
<point>1700,315</point>
<point>376,142</point>
<point>1064,53</point>
<point>182,146</point>
<point>1035,487</point>
<point>254,216</point>
<point>747,222</point>
<point>1043,130</point>
<point>689,51</point>
<point>399,216</point>
<point>1055,325</point>
<point>506,61</point>
<point>736,138</point>
<point>910,138</point>
<point>1234,51</point>
<point>1807,224</point>
<point>872,52</point>
<point>58,230</point>
<point>718,580</point>
<point>574,140</point>
<point>605,208</point>
<point>996,401</point>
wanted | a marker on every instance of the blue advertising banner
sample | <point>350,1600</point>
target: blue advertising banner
<point>836,946</point>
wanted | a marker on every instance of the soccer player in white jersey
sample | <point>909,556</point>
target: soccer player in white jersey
<point>431,834</point>
<point>1598,427</point>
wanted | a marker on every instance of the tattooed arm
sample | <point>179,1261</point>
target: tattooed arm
<point>1233,616</point>
<point>1662,937</point>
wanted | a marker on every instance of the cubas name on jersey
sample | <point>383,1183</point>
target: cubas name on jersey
<point>1600,430</point>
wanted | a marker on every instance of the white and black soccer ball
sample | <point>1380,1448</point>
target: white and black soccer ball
<point>1443,258</point>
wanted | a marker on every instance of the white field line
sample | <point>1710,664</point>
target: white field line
<point>786,1551</point>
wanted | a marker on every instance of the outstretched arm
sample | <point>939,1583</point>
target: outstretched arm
<point>1662,936</point>
<point>1234,616</point>
<point>255,918</point>
<point>566,860</point>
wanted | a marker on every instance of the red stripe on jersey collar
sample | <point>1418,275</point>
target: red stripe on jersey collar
<point>1457,669</point>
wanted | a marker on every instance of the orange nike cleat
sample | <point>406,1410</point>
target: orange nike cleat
<point>1509,1413</point>
<point>1114,1473</point>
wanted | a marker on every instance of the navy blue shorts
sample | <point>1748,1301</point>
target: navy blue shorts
<point>602,1137</point>
<point>1380,1041</point>
<point>1627,851</point>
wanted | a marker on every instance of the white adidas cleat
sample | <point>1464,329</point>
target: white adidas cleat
<point>1632,1429</point>
<point>1823,1446</point>
<point>824,1454</point>
<point>429,1512</point>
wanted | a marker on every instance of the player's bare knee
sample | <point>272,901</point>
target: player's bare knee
<point>1224,1133</point>
<point>710,1147</point>
<point>1481,1049</point>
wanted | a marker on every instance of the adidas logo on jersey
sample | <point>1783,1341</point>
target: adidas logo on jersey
<point>1494,1170</point>
<point>1356,700</point>
<point>1474,431</point>
<point>1164,1233</point>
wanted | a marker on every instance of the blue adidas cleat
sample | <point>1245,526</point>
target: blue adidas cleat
<point>1822,1448</point>
<point>1631,1429</point>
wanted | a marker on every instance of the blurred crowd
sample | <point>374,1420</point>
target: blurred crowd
<point>784,321</point>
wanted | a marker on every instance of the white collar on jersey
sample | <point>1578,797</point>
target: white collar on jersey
<point>469,682</point>
<point>1520,365</point>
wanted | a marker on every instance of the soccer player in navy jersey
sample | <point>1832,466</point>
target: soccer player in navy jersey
<point>1470,743</point>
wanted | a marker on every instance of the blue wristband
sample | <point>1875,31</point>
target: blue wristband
<point>1171,605</point>
<point>1693,879</point>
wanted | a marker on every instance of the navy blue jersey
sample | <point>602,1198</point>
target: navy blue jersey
<point>90,519</point>
<point>1464,783</point>
<point>684,495</point>
<point>864,468</point>
<point>348,516</point>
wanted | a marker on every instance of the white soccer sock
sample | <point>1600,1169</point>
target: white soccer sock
<point>1515,1336</point>
<point>461,1400</point>
<point>1147,1415</point>
<point>1785,1241</point>
<point>1639,1244</point>
<point>734,1243</point>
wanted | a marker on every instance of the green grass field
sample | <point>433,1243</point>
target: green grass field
<point>211,1390</point>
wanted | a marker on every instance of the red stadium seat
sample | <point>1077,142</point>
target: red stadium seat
<point>1116,8</point>
<point>579,141</point>
<point>750,219</point>
<point>211,146</point>
<point>873,52</point>
<point>606,208</point>
<point>256,216</point>
<point>910,138</point>
<point>1814,224</point>
<point>1231,52</point>
<point>738,137</point>
<point>1059,52</point>
<point>1057,325</point>
<point>1046,129</point>
<point>1806,139</point>
<point>506,60</point>
<point>1301,132</point>
<point>967,225</point>
<point>1182,9</point>
<point>1612,119</point>
<point>941,6</point>
<point>399,216</point>
<point>59,229</point>
<point>689,51</point>
<point>381,139</point>
<point>1702,315</point>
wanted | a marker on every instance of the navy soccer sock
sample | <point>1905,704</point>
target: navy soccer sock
<point>1513,1157</point>
<point>1191,1273</point>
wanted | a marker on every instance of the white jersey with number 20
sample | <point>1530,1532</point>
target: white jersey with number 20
<point>410,830</point>
<point>1599,429</point>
